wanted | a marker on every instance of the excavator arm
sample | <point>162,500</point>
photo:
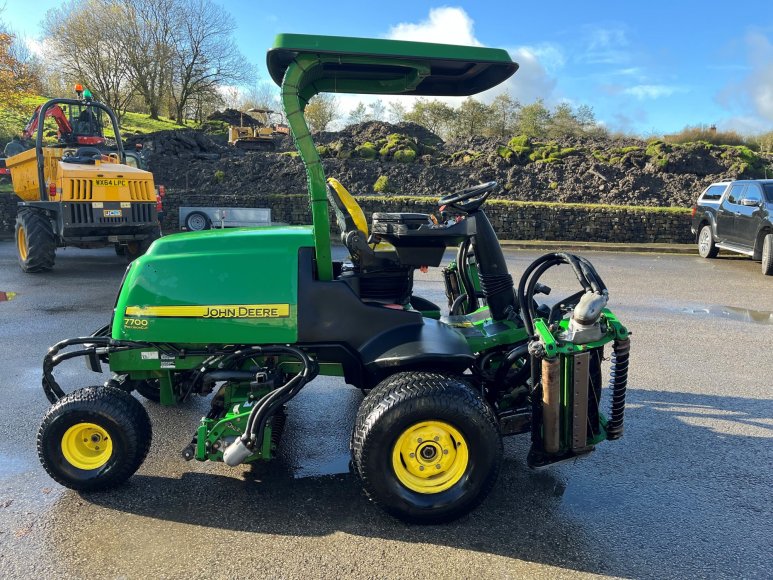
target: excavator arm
<point>65,129</point>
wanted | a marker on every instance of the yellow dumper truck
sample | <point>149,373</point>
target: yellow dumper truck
<point>77,192</point>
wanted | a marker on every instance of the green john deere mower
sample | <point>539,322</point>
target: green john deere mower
<point>250,316</point>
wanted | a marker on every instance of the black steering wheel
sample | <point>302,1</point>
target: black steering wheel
<point>468,193</point>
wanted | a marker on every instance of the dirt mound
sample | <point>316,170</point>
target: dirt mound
<point>179,143</point>
<point>233,117</point>
<point>416,161</point>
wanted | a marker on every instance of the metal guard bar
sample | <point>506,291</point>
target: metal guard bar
<point>304,79</point>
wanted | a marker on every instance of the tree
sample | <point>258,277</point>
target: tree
<point>83,36</point>
<point>471,118</point>
<point>204,54</point>
<point>377,110</point>
<point>563,123</point>
<point>358,114</point>
<point>321,111</point>
<point>504,113</point>
<point>396,111</point>
<point>146,41</point>
<point>262,95</point>
<point>533,120</point>
<point>435,115</point>
<point>17,80</point>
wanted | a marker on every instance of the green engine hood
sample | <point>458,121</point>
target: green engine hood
<point>219,286</point>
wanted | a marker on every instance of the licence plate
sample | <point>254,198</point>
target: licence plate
<point>110,182</point>
<point>112,212</point>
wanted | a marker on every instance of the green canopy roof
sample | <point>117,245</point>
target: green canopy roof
<point>377,66</point>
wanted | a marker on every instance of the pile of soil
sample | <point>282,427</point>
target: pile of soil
<point>609,171</point>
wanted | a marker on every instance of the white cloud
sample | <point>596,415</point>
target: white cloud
<point>760,82</point>
<point>605,45</point>
<point>643,92</point>
<point>751,99</point>
<point>445,25</point>
<point>449,25</point>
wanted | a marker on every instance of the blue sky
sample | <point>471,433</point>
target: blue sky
<point>645,67</point>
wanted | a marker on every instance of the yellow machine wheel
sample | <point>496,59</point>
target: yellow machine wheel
<point>94,438</point>
<point>35,241</point>
<point>426,446</point>
<point>21,242</point>
<point>87,446</point>
<point>430,457</point>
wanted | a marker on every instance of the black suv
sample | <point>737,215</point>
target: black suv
<point>736,216</point>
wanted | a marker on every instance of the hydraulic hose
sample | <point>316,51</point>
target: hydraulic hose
<point>584,271</point>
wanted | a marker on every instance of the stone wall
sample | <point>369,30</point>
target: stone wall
<point>511,220</point>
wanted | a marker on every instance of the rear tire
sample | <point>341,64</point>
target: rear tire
<point>767,255</point>
<point>426,447</point>
<point>35,241</point>
<point>94,438</point>
<point>706,246</point>
<point>135,249</point>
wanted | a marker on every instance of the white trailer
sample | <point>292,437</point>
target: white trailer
<point>195,219</point>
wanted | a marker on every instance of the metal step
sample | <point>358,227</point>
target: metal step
<point>738,249</point>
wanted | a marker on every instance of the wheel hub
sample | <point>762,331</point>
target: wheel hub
<point>87,446</point>
<point>21,242</point>
<point>430,457</point>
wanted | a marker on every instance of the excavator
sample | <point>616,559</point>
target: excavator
<point>258,136</point>
<point>77,191</point>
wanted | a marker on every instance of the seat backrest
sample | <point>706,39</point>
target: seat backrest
<point>349,214</point>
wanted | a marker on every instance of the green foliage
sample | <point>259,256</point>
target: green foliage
<point>435,115</point>
<point>519,141</point>
<point>518,149</point>
<point>533,119</point>
<point>323,150</point>
<point>398,147</point>
<point>405,156</point>
<point>658,152</point>
<point>744,162</point>
<point>382,185</point>
<point>553,185</point>
<point>141,123</point>
<point>219,176</point>
<point>550,153</point>
<point>470,119</point>
<point>367,150</point>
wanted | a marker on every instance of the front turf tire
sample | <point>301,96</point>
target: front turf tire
<point>438,424</point>
<point>35,241</point>
<point>94,438</point>
<point>706,246</point>
<point>767,255</point>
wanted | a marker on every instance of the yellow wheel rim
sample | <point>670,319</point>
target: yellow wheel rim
<point>430,457</point>
<point>21,242</point>
<point>87,446</point>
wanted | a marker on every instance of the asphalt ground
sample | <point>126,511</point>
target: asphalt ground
<point>685,493</point>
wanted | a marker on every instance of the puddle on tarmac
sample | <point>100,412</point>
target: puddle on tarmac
<point>732,313</point>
